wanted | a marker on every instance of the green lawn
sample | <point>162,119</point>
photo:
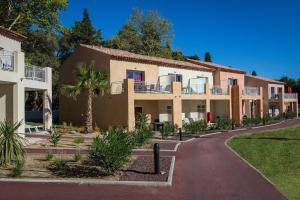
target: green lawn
<point>276,154</point>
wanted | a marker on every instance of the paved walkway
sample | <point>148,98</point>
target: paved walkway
<point>205,169</point>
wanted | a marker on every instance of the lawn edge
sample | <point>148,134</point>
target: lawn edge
<point>253,167</point>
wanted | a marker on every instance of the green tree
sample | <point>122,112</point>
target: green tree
<point>21,15</point>
<point>92,82</point>
<point>82,32</point>
<point>207,57</point>
<point>254,73</point>
<point>11,143</point>
<point>147,34</point>
<point>194,57</point>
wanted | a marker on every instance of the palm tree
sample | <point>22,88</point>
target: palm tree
<point>92,82</point>
<point>11,143</point>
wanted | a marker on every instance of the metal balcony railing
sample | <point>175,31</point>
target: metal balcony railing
<point>251,91</point>
<point>217,90</point>
<point>194,89</point>
<point>148,87</point>
<point>290,95</point>
<point>274,97</point>
<point>6,60</point>
<point>33,72</point>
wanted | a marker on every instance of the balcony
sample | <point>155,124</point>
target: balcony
<point>150,87</point>
<point>274,97</point>
<point>291,96</point>
<point>194,89</point>
<point>217,90</point>
<point>6,60</point>
<point>251,91</point>
<point>33,72</point>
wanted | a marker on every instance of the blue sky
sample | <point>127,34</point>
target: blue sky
<point>247,34</point>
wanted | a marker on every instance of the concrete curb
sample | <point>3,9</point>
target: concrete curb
<point>254,168</point>
<point>97,181</point>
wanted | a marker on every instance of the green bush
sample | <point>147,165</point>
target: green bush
<point>223,123</point>
<point>58,164</point>
<point>246,121</point>
<point>11,143</point>
<point>195,127</point>
<point>291,115</point>
<point>77,157</point>
<point>256,120</point>
<point>17,170</point>
<point>142,133</point>
<point>141,136</point>
<point>112,151</point>
<point>49,156</point>
<point>54,136</point>
<point>168,129</point>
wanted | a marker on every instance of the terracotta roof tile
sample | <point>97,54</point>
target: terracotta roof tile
<point>125,55</point>
<point>216,66</point>
<point>12,34</point>
<point>266,79</point>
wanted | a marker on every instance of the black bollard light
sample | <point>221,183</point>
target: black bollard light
<point>232,126</point>
<point>180,134</point>
<point>156,150</point>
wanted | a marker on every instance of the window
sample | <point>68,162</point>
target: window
<point>178,78</point>
<point>232,81</point>
<point>137,76</point>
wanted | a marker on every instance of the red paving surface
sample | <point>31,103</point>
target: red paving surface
<point>205,169</point>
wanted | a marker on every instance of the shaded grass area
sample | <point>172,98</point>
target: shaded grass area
<point>276,154</point>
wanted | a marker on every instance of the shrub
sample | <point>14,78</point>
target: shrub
<point>58,164</point>
<point>78,140</point>
<point>77,157</point>
<point>11,143</point>
<point>196,126</point>
<point>266,118</point>
<point>55,136</point>
<point>49,156</point>
<point>256,120</point>
<point>291,115</point>
<point>112,151</point>
<point>17,170</point>
<point>142,136</point>
<point>224,123</point>
<point>168,129</point>
<point>141,121</point>
<point>246,121</point>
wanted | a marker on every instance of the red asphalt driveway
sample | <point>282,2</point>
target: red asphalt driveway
<point>204,169</point>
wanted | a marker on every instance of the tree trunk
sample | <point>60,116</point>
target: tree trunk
<point>89,114</point>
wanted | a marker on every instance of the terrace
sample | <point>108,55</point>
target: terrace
<point>6,60</point>
<point>251,91</point>
<point>33,72</point>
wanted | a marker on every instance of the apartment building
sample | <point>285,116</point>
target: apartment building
<point>166,90</point>
<point>275,100</point>
<point>16,77</point>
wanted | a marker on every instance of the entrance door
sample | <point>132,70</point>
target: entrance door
<point>137,111</point>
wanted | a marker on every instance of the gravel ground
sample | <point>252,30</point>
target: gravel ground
<point>164,145</point>
<point>143,170</point>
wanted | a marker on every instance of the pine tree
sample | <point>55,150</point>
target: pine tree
<point>254,73</point>
<point>207,57</point>
<point>83,32</point>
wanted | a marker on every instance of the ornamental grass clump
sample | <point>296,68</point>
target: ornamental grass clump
<point>54,136</point>
<point>112,150</point>
<point>11,144</point>
<point>224,123</point>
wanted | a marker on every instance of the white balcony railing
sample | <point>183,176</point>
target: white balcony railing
<point>251,91</point>
<point>274,97</point>
<point>290,96</point>
<point>6,60</point>
<point>148,87</point>
<point>217,90</point>
<point>33,72</point>
<point>194,89</point>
